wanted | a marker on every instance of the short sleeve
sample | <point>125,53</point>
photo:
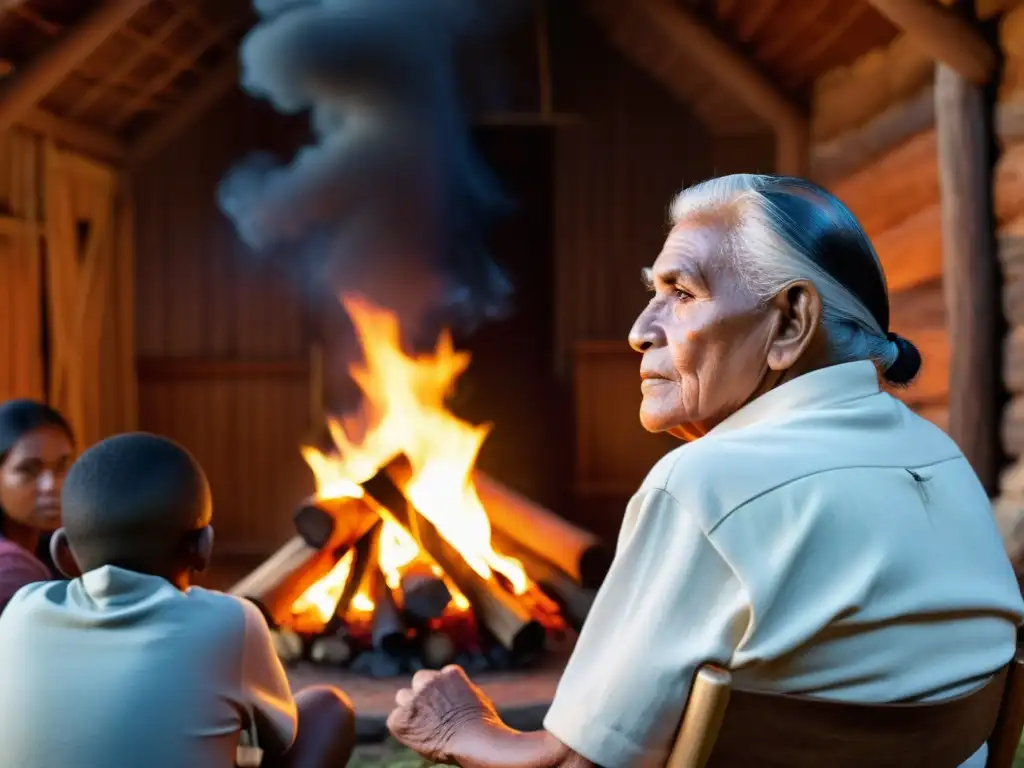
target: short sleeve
<point>669,604</point>
<point>265,685</point>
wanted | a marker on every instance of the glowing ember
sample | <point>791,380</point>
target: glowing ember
<point>404,413</point>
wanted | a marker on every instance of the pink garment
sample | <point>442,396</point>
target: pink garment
<point>18,567</point>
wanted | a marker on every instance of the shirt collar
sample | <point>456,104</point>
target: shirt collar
<point>109,585</point>
<point>821,388</point>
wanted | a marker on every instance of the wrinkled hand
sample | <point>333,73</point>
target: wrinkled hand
<point>430,716</point>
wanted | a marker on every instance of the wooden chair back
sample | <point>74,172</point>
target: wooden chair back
<point>726,728</point>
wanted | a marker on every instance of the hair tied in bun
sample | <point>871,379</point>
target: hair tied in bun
<point>907,363</point>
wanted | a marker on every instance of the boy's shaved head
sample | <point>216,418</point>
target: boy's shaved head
<point>134,501</point>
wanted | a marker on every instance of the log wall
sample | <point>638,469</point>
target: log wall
<point>877,116</point>
<point>896,199</point>
<point>1009,210</point>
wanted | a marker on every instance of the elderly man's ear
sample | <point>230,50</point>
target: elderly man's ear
<point>62,556</point>
<point>799,311</point>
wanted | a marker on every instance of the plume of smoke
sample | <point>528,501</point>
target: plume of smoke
<point>391,196</point>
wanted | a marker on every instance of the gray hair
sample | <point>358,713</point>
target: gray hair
<point>781,230</point>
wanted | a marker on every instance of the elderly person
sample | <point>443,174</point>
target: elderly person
<point>813,535</point>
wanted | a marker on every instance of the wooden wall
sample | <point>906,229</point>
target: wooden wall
<point>617,168</point>
<point>896,199</point>
<point>221,343</point>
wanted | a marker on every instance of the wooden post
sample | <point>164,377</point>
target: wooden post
<point>970,270</point>
<point>944,35</point>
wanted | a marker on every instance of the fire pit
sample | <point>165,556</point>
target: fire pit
<point>406,557</point>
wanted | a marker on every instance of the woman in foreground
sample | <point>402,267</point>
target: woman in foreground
<point>813,535</point>
<point>36,449</point>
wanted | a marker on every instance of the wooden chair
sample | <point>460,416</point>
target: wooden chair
<point>725,728</point>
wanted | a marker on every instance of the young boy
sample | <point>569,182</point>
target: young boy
<point>127,665</point>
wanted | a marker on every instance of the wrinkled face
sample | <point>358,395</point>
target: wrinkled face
<point>31,478</point>
<point>704,336</point>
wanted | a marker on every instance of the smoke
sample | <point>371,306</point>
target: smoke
<point>391,200</point>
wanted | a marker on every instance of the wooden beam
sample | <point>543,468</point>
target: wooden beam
<point>214,85</point>
<point>80,138</point>
<point>26,88</point>
<point>840,157</point>
<point>946,37</point>
<point>970,271</point>
<point>751,86</point>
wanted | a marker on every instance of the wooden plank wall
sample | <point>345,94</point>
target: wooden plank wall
<point>896,199</point>
<point>617,169</point>
<point>221,339</point>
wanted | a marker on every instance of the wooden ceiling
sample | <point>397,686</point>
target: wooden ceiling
<point>797,41</point>
<point>790,42</point>
<point>147,66</point>
<point>104,74</point>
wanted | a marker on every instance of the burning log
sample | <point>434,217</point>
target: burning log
<point>388,629</point>
<point>573,600</point>
<point>272,572</point>
<point>298,564</point>
<point>322,522</point>
<point>499,610</point>
<point>277,581</point>
<point>578,553</point>
<point>424,594</point>
<point>314,524</point>
<point>363,554</point>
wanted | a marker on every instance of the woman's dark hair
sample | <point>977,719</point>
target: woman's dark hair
<point>20,417</point>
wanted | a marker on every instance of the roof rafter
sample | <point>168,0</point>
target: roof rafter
<point>946,37</point>
<point>29,86</point>
<point>694,40</point>
<point>74,135</point>
<point>214,85</point>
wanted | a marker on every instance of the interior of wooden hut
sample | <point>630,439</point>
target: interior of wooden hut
<point>130,303</point>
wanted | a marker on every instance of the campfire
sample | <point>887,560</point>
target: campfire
<point>408,557</point>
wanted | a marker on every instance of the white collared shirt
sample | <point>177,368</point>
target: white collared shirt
<point>823,540</point>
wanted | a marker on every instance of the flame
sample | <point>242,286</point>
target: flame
<point>321,598</point>
<point>396,548</point>
<point>362,603</point>
<point>404,408</point>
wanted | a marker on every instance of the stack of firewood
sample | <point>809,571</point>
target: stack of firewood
<point>416,623</point>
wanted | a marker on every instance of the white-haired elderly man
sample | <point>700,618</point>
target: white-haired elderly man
<point>812,535</point>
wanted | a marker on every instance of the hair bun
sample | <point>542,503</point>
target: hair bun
<point>907,363</point>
